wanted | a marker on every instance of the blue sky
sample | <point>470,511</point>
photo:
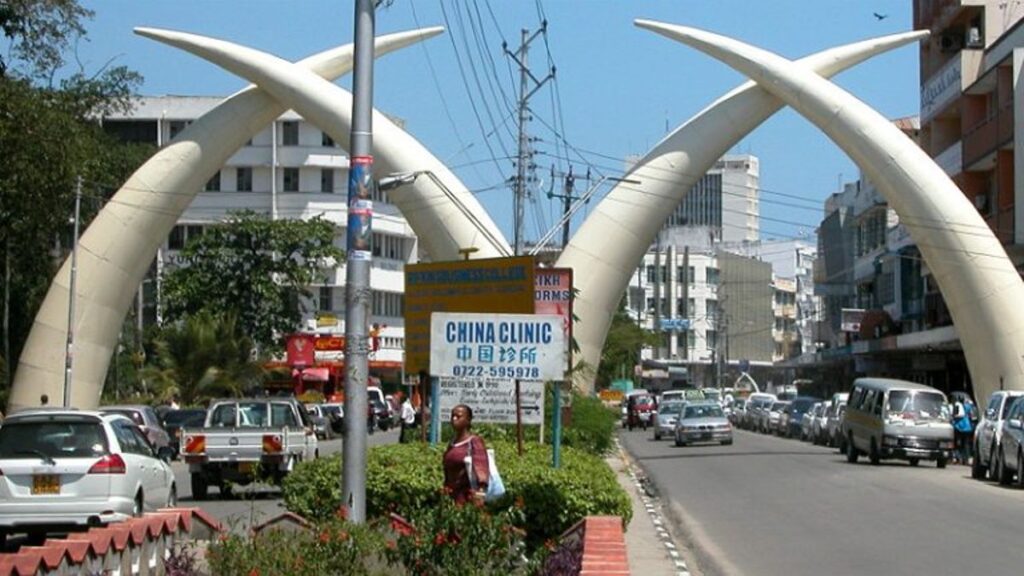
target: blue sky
<point>617,90</point>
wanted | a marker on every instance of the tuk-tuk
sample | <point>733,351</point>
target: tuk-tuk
<point>640,408</point>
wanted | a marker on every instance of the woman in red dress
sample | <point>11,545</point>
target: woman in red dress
<point>465,445</point>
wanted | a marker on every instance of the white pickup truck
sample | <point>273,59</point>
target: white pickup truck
<point>246,439</point>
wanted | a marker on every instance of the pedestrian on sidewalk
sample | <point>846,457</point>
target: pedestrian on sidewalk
<point>408,419</point>
<point>466,469</point>
<point>963,429</point>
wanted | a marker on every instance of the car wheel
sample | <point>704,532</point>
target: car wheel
<point>226,490</point>
<point>656,435</point>
<point>992,462</point>
<point>137,506</point>
<point>726,442</point>
<point>873,453</point>
<point>914,461</point>
<point>172,497</point>
<point>680,443</point>
<point>1020,470</point>
<point>200,487</point>
<point>941,462</point>
<point>978,471</point>
<point>1003,474</point>
<point>851,451</point>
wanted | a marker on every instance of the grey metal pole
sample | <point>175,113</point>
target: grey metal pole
<point>69,354</point>
<point>357,273</point>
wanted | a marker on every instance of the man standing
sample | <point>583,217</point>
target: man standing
<point>408,419</point>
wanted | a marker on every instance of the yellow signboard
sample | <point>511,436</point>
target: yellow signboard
<point>498,285</point>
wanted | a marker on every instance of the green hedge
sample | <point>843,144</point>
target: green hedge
<point>404,478</point>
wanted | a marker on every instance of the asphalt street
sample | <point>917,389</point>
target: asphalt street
<point>769,506</point>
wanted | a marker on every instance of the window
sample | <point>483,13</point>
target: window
<point>712,339</point>
<point>327,180</point>
<point>327,298</point>
<point>711,276</point>
<point>291,179</point>
<point>290,133</point>
<point>326,141</point>
<point>389,304</point>
<point>213,184</point>
<point>176,241</point>
<point>711,308</point>
<point>243,179</point>
<point>691,306</point>
<point>193,231</point>
<point>681,274</point>
<point>176,126</point>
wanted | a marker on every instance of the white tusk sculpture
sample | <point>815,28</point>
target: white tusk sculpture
<point>118,247</point>
<point>979,283</point>
<point>613,239</point>
<point>444,220</point>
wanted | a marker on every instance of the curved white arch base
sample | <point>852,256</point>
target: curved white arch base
<point>612,241</point>
<point>982,288</point>
<point>115,251</point>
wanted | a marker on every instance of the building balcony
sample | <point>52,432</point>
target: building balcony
<point>951,160</point>
<point>983,140</point>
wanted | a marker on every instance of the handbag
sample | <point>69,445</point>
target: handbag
<point>495,486</point>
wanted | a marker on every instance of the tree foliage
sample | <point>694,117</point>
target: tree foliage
<point>622,347</point>
<point>49,138</point>
<point>255,268</point>
<point>201,357</point>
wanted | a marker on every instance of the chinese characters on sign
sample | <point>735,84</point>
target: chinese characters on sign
<point>513,346</point>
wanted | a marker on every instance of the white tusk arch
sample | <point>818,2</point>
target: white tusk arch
<point>444,222</point>
<point>613,239</point>
<point>116,250</point>
<point>978,281</point>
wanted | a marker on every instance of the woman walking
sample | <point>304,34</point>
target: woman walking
<point>465,460</point>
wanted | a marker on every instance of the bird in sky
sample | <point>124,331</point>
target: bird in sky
<point>880,16</point>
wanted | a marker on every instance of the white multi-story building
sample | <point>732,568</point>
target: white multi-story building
<point>290,169</point>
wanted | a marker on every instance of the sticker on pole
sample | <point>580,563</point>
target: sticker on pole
<point>513,346</point>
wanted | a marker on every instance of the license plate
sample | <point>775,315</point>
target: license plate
<point>245,467</point>
<point>45,484</point>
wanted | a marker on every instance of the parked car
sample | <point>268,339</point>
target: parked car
<point>737,411</point>
<point>888,418</point>
<point>319,419</point>
<point>61,469</point>
<point>771,417</point>
<point>792,425</point>
<point>988,434</point>
<point>757,404</point>
<point>702,422</point>
<point>810,422</point>
<point>1010,457</point>
<point>145,417</point>
<point>175,420</point>
<point>335,412</point>
<point>665,418</point>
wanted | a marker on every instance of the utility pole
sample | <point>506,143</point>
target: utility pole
<point>686,301</point>
<point>567,197</point>
<point>657,297</point>
<point>526,80</point>
<point>69,353</point>
<point>357,273</point>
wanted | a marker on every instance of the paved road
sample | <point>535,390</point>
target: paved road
<point>255,504</point>
<point>768,506</point>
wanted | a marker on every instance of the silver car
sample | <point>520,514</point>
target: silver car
<point>703,422</point>
<point>988,434</point>
<point>1009,458</point>
<point>65,468</point>
<point>665,418</point>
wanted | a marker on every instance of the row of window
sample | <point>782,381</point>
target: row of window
<point>290,182</point>
<point>383,245</point>
<point>711,275</point>
<point>712,311</point>
<point>388,304</point>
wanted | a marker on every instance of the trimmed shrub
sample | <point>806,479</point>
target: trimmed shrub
<point>406,478</point>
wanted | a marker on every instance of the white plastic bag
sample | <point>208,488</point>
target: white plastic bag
<point>495,487</point>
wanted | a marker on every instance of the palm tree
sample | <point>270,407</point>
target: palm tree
<point>201,357</point>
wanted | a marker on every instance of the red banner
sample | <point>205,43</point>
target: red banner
<point>300,350</point>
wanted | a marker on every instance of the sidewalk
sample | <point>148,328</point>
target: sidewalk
<point>649,546</point>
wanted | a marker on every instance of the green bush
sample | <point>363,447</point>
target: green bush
<point>593,426</point>
<point>406,478</point>
<point>333,546</point>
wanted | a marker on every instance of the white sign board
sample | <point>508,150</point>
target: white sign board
<point>493,401</point>
<point>505,346</point>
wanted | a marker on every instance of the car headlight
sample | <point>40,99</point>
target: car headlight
<point>890,441</point>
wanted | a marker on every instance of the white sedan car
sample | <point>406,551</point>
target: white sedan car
<point>61,469</point>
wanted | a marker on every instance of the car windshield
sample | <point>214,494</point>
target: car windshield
<point>185,418</point>
<point>915,405</point>
<point>703,411</point>
<point>52,439</point>
<point>134,415</point>
<point>672,409</point>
